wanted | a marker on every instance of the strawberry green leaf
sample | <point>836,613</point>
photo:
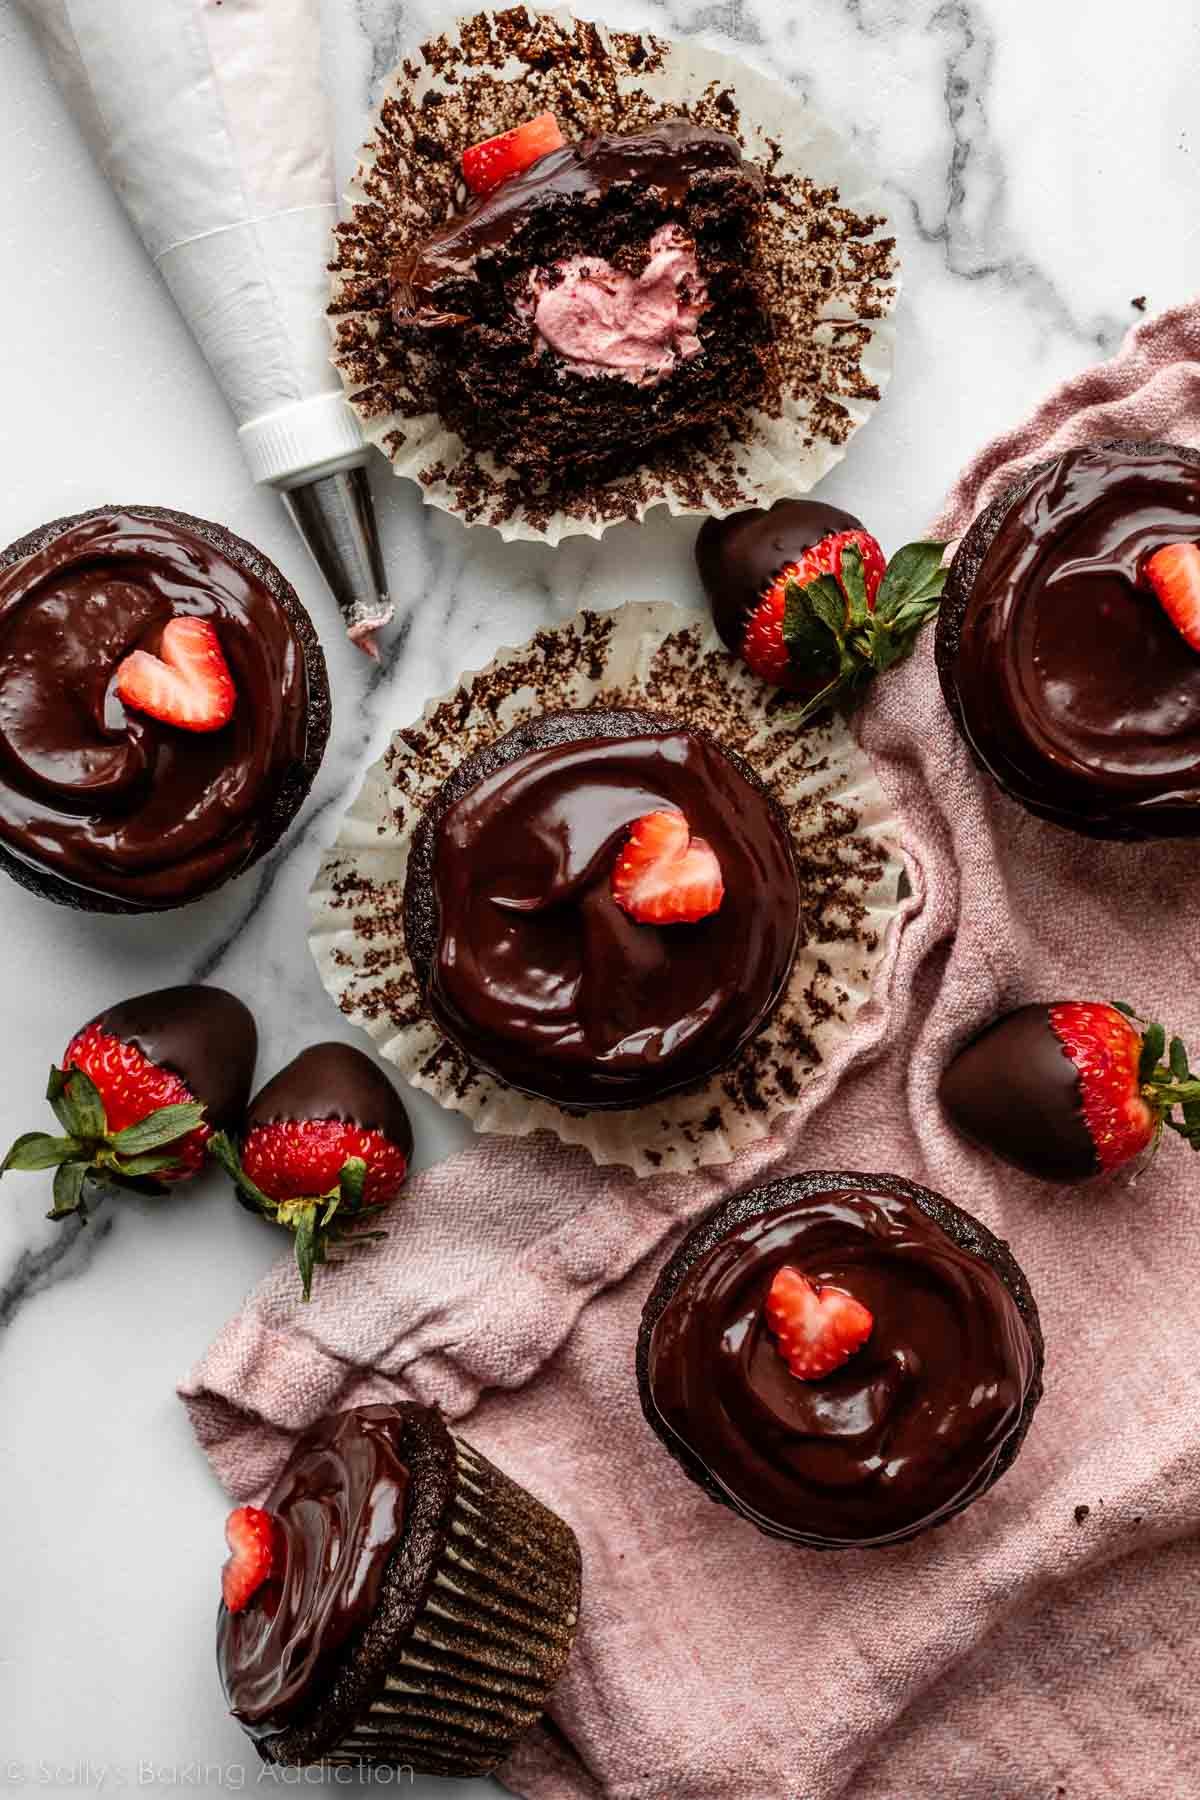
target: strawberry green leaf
<point>1154,1042</point>
<point>353,1180</point>
<point>68,1189</point>
<point>1121,1007</point>
<point>35,1150</point>
<point>135,1167</point>
<point>914,575</point>
<point>161,1127</point>
<point>76,1103</point>
<point>854,582</point>
<point>220,1148</point>
<point>828,602</point>
<point>306,1247</point>
<point>804,631</point>
<point>1178,1058</point>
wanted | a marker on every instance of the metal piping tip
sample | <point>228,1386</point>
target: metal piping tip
<point>335,516</point>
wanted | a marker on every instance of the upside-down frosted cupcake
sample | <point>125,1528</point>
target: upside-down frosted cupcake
<point>602,907</point>
<point>846,1360</point>
<point>164,708</point>
<point>1068,642</point>
<point>395,1601</point>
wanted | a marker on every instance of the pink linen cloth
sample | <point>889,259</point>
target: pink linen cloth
<point>1016,1653</point>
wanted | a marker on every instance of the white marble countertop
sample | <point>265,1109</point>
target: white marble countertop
<point>1041,166</point>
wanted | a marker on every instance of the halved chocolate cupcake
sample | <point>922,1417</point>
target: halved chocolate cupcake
<point>164,708</point>
<point>846,1360</point>
<point>597,303</point>
<point>395,1601</point>
<point>602,907</point>
<point>1062,669</point>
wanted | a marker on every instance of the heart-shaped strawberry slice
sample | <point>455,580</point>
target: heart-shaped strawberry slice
<point>1174,574</point>
<point>187,684</point>
<point>817,1328</point>
<point>665,876</point>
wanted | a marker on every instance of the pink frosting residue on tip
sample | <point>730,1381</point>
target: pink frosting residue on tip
<point>604,321</point>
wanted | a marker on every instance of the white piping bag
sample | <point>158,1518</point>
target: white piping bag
<point>209,118</point>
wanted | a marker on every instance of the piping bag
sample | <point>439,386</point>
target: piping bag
<point>209,118</point>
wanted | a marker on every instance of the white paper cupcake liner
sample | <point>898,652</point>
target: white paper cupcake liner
<point>661,658</point>
<point>830,264</point>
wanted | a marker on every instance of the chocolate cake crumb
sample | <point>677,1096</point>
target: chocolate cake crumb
<point>1081,1513</point>
<point>1138,302</point>
<point>825,273</point>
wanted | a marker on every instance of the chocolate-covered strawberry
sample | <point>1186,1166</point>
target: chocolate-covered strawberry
<point>803,595</point>
<point>323,1144</point>
<point>141,1089</point>
<point>1071,1089</point>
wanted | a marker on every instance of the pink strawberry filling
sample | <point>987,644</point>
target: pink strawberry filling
<point>604,321</point>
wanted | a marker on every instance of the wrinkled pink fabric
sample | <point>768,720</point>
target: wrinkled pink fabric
<point>1013,1655</point>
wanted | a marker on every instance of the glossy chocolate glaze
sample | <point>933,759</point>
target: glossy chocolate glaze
<point>536,971</point>
<point>739,556</point>
<point>1068,681</point>
<point>334,1081</point>
<point>1015,1091</point>
<point>341,1505</point>
<point>110,801</point>
<point>911,1429</point>
<point>665,159</point>
<point>204,1035</point>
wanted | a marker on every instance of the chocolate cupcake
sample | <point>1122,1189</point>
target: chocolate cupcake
<point>846,1360</point>
<point>534,956</point>
<point>1061,669</point>
<point>164,708</point>
<point>396,1601</point>
<point>595,304</point>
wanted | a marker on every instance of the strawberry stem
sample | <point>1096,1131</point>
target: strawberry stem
<point>317,1221</point>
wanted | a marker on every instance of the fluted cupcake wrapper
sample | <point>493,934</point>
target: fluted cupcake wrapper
<point>659,658</point>
<point>490,1641</point>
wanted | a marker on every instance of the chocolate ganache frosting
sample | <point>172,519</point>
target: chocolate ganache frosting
<point>907,1432</point>
<point>529,963</point>
<point>1066,677</point>
<point>108,799</point>
<point>340,1505</point>
<point>664,160</point>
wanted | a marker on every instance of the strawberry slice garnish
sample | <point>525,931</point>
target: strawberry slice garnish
<point>187,684</point>
<point>254,1538</point>
<point>1174,574</point>
<point>486,165</point>
<point>817,1328</point>
<point>665,876</point>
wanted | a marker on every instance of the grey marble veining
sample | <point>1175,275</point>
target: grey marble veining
<point>1040,168</point>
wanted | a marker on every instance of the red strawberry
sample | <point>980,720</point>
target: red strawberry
<point>140,1091</point>
<point>818,1327</point>
<point>763,646</point>
<point>664,876</point>
<point>1174,574</point>
<point>327,1139</point>
<point>836,617</point>
<point>486,165</point>
<point>187,684</point>
<point>254,1538</point>
<point>1122,1120</point>
<point>1072,1089</point>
